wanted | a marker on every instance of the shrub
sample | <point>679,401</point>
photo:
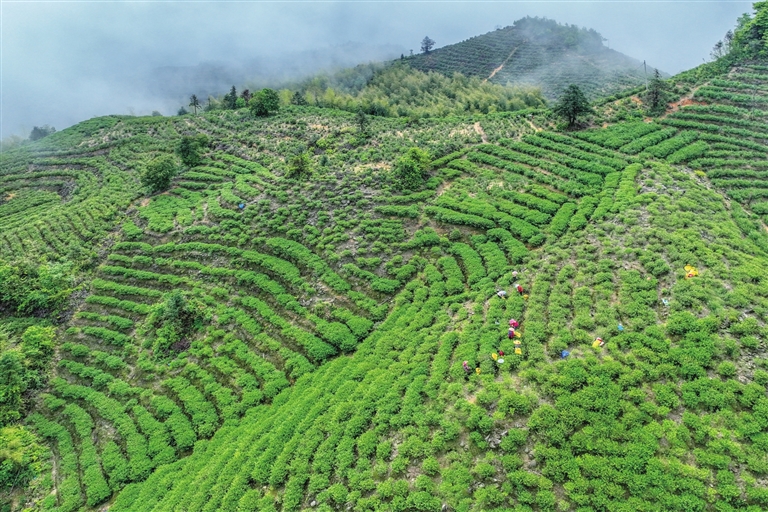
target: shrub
<point>410,169</point>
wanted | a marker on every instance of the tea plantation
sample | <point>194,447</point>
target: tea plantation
<point>287,327</point>
<point>540,52</point>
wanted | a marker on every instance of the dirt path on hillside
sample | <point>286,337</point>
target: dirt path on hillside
<point>530,123</point>
<point>481,132</point>
<point>683,102</point>
<point>505,61</point>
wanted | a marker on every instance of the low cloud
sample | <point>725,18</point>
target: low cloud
<point>65,62</point>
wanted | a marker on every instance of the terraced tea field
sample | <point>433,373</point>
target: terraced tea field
<point>319,362</point>
<point>541,53</point>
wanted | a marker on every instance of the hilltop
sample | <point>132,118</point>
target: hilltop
<point>286,327</point>
<point>538,52</point>
<point>514,68</point>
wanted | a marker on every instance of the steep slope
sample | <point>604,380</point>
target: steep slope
<point>538,52</point>
<point>322,366</point>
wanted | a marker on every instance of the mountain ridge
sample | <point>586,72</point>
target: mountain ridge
<point>541,52</point>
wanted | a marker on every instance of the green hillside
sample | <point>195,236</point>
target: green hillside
<point>541,53</point>
<point>288,328</point>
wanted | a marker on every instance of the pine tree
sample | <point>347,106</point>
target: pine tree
<point>572,105</point>
<point>230,99</point>
<point>654,98</point>
<point>298,99</point>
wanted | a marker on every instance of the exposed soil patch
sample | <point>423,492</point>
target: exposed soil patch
<point>535,128</point>
<point>685,102</point>
<point>481,132</point>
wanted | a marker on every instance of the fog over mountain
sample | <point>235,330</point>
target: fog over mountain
<point>64,62</point>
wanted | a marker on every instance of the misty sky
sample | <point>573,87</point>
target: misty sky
<point>63,62</point>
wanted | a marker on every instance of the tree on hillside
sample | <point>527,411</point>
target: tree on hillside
<point>175,320</point>
<point>190,149</point>
<point>20,457</point>
<point>298,99</point>
<point>654,98</point>
<point>182,112</point>
<point>194,102</point>
<point>300,166</point>
<point>38,132</point>
<point>264,102</point>
<point>572,104</point>
<point>410,169</point>
<point>750,39</point>
<point>12,385</point>
<point>246,95</point>
<point>427,44</point>
<point>361,120</point>
<point>230,99</point>
<point>158,174</point>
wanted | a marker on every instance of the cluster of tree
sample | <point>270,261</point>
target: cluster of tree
<point>748,40</point>
<point>38,132</point>
<point>34,289</point>
<point>23,365</point>
<point>573,104</point>
<point>262,103</point>
<point>401,91</point>
<point>21,457</point>
<point>555,34</point>
<point>174,320</point>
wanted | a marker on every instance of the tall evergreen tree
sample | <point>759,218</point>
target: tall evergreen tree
<point>572,105</point>
<point>230,99</point>
<point>298,99</point>
<point>655,95</point>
